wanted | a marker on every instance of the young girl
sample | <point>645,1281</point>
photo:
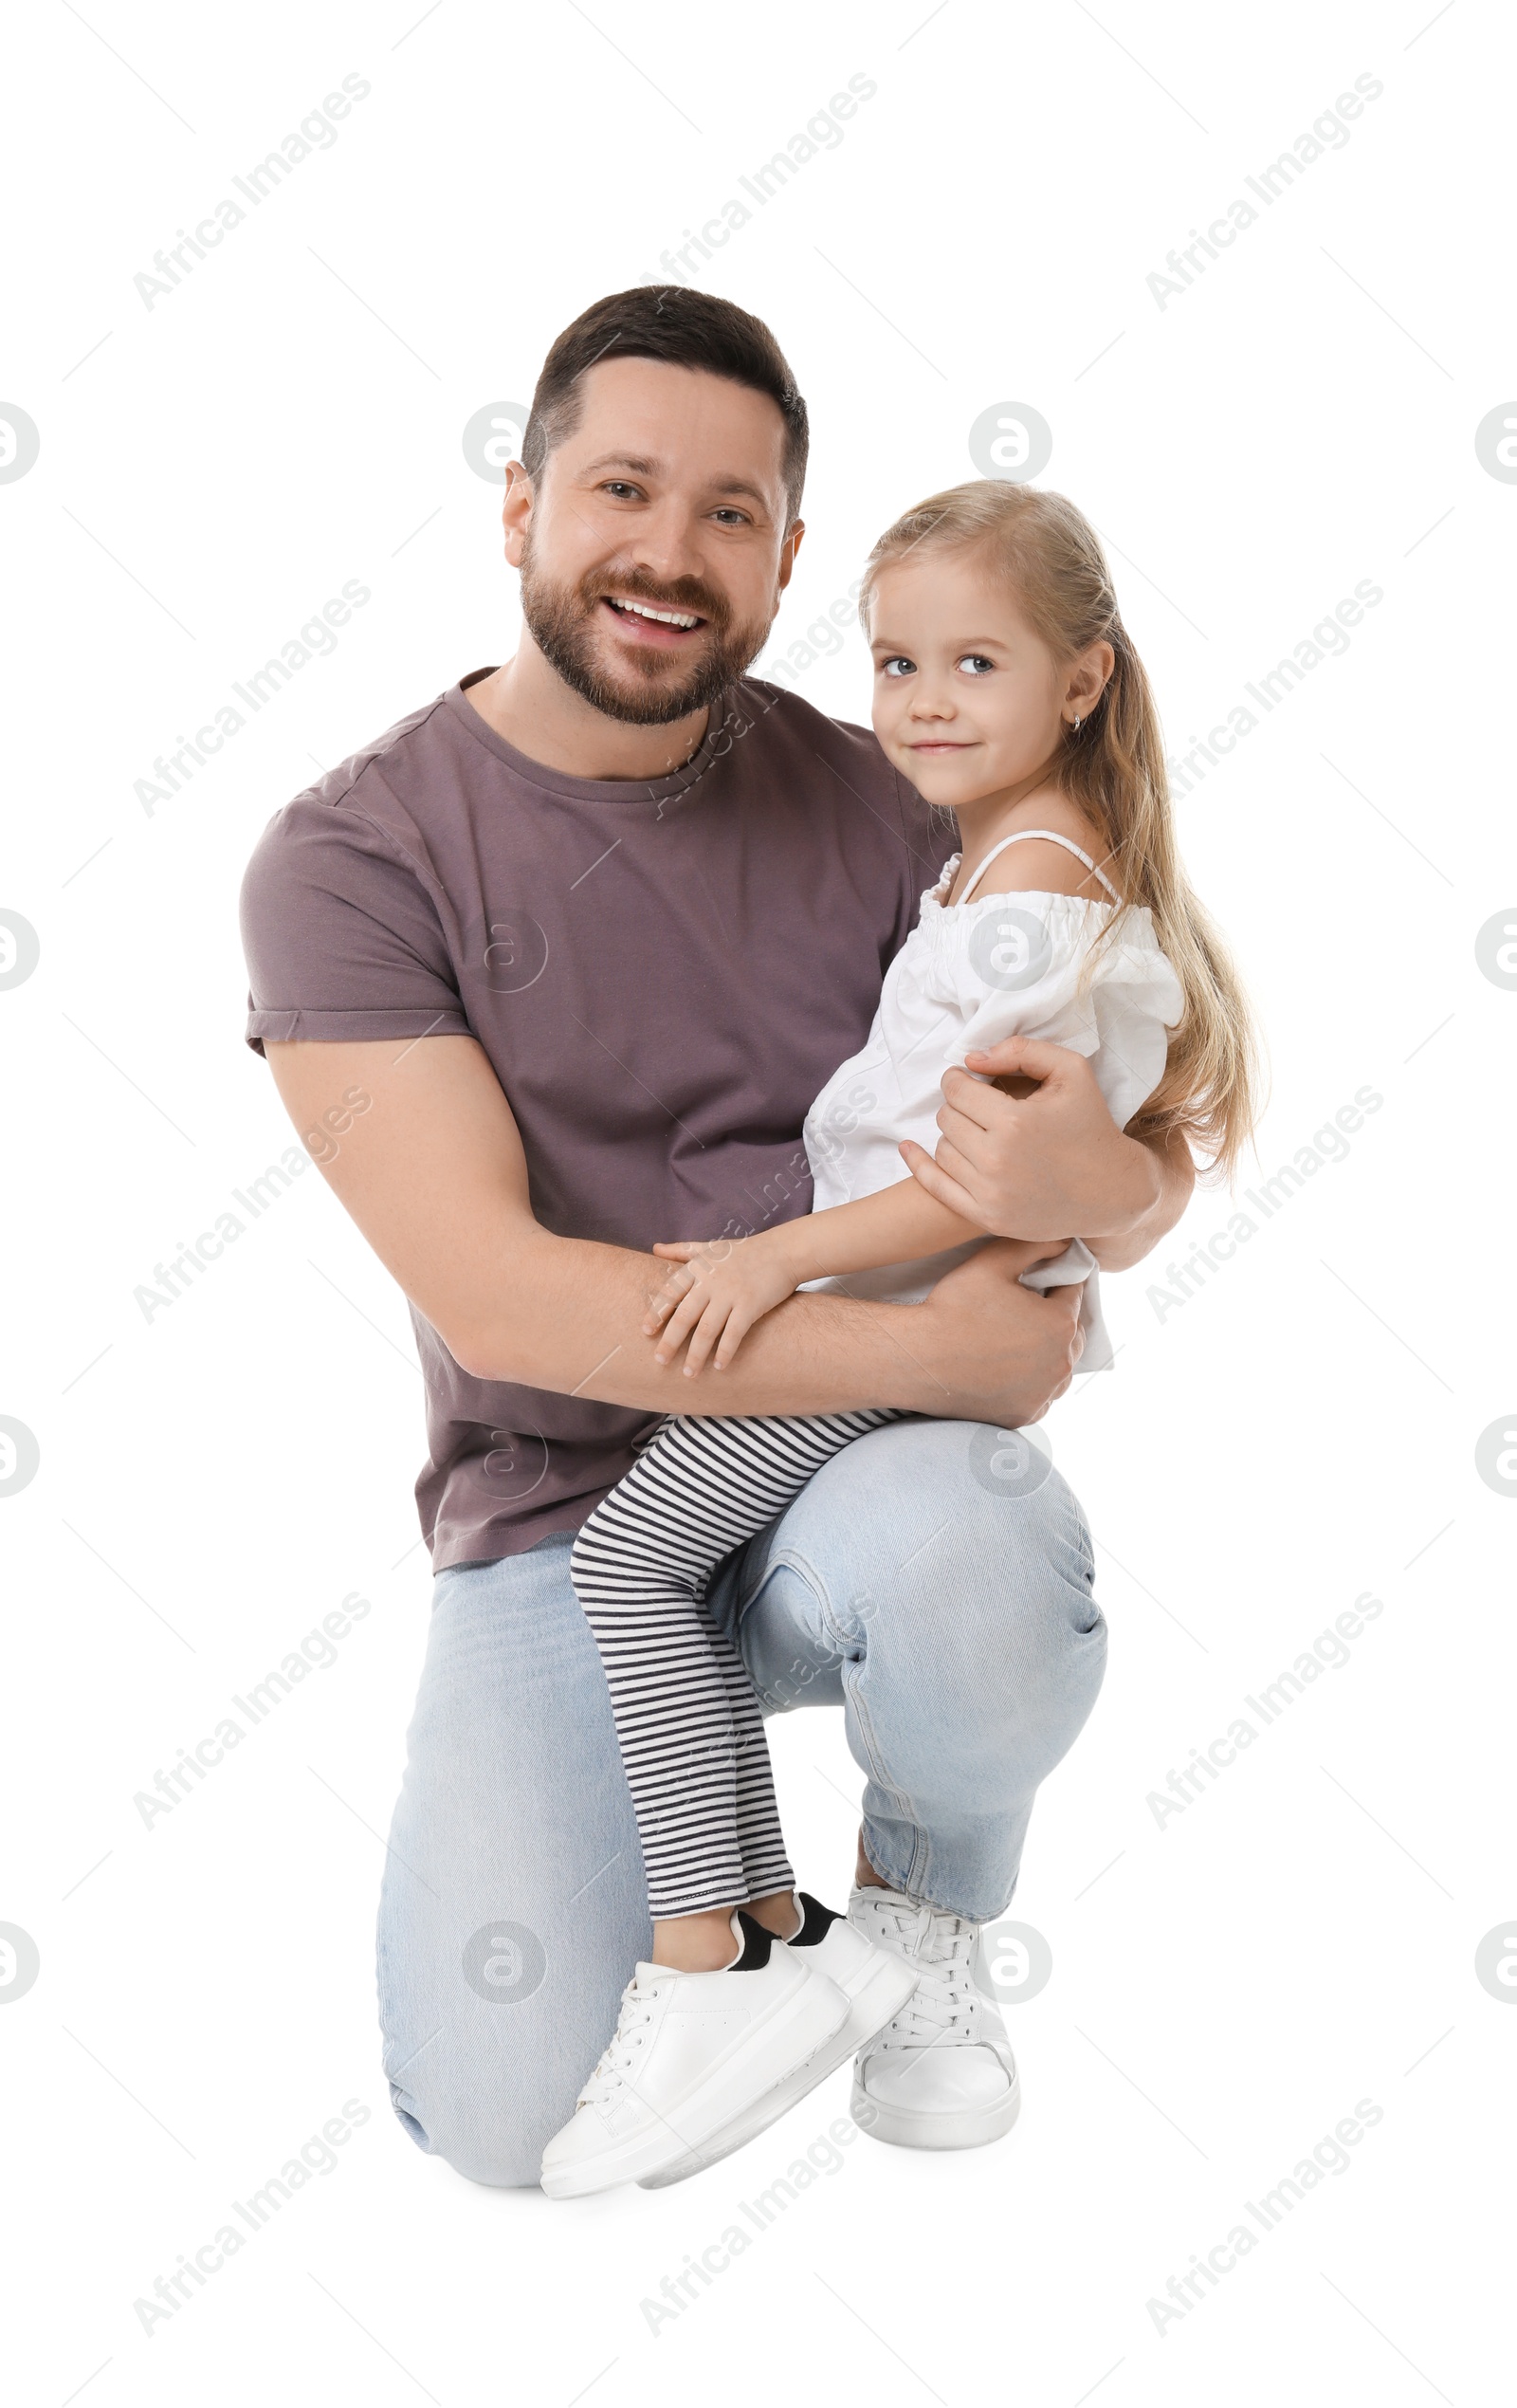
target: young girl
<point>1006,689</point>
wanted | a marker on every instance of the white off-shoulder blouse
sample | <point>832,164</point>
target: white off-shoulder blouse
<point>971,973</point>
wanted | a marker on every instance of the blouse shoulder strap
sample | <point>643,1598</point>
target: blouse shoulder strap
<point>1049,836</point>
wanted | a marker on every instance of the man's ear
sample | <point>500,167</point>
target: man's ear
<point>516,511</point>
<point>788,549</point>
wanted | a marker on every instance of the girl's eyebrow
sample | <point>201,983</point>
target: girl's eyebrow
<point>956,644</point>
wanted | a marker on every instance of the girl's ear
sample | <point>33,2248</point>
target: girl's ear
<point>1090,677</point>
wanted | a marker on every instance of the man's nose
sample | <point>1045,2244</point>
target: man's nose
<point>668,544</point>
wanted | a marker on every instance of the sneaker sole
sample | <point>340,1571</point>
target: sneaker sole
<point>920,2128</point>
<point>870,2008</point>
<point>792,2030</point>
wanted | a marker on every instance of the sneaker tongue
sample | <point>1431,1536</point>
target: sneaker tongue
<point>876,1893</point>
<point>930,1935</point>
<point>913,1920</point>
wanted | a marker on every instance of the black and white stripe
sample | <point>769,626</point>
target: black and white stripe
<point>688,1717</point>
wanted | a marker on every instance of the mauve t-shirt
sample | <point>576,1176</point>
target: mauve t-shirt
<point>663,975</point>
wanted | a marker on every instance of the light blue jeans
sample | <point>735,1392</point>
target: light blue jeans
<point>941,1600</point>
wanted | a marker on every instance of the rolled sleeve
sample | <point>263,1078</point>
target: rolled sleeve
<point>343,940</point>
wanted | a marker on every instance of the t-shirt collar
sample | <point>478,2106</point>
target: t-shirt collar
<point>558,781</point>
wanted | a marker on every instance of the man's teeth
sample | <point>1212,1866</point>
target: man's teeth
<point>669,618</point>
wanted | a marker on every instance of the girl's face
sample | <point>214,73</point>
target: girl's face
<point>967,699</point>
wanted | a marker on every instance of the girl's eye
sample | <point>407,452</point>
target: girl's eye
<point>897,666</point>
<point>977,664</point>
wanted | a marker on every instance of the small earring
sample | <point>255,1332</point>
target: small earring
<point>1075,725</point>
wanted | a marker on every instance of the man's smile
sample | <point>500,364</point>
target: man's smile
<point>648,623</point>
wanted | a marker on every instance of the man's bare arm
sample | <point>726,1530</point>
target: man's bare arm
<point>433,1172</point>
<point>1171,1165</point>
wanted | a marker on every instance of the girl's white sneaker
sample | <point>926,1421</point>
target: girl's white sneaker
<point>876,1985</point>
<point>691,2052</point>
<point>941,2074</point>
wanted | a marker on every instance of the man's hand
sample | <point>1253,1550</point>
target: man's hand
<point>1013,1350</point>
<point>1053,1161</point>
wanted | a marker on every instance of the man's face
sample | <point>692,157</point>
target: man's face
<point>668,497</point>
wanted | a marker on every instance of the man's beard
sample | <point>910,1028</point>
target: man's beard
<point>651,693</point>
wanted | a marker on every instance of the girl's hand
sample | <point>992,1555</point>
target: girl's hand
<point>722,1288</point>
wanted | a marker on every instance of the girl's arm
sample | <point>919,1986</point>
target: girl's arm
<point>898,1224</point>
<point>724,1285</point>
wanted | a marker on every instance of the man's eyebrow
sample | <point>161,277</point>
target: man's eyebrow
<point>742,484</point>
<point>623,460</point>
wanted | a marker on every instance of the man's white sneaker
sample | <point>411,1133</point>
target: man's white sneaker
<point>690,2051</point>
<point>941,2074</point>
<point>876,1984</point>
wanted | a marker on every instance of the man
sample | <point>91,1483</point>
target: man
<point>550,971</point>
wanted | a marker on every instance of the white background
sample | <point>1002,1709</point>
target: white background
<point>1228,1984</point>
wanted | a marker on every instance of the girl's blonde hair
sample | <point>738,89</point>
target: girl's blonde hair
<point>1113,769</point>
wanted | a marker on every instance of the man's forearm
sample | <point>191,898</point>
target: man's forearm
<point>982,1347</point>
<point>573,1324</point>
<point>436,1176</point>
<point>1162,1176</point>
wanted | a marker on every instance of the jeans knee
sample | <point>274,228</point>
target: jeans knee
<point>480,2138</point>
<point>952,1526</point>
<point>1033,1531</point>
<point>1007,1592</point>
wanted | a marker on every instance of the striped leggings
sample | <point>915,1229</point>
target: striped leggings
<point>687,1717</point>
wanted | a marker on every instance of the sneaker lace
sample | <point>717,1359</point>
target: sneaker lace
<point>619,2054</point>
<point>945,2009</point>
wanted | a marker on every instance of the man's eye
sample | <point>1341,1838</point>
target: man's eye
<point>619,490</point>
<point>727,517</point>
<point>977,664</point>
<point>897,666</point>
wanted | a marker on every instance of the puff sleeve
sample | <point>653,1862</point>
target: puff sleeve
<point>1030,966</point>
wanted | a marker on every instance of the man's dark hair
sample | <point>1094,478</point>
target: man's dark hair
<point>689,330</point>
